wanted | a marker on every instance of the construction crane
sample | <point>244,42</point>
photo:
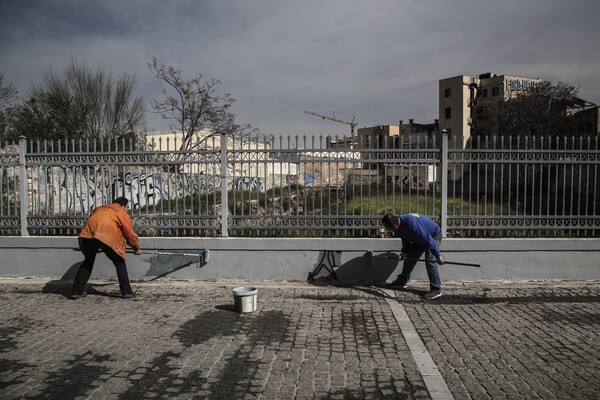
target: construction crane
<point>351,123</point>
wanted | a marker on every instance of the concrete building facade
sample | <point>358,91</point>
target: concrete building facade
<point>459,96</point>
<point>409,135</point>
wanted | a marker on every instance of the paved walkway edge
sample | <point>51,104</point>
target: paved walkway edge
<point>436,385</point>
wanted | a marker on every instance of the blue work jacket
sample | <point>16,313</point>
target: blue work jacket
<point>420,230</point>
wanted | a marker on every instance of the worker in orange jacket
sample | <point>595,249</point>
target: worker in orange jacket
<point>107,229</point>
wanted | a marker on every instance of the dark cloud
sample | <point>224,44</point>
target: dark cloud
<point>379,61</point>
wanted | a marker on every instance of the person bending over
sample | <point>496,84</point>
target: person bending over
<point>108,228</point>
<point>419,235</point>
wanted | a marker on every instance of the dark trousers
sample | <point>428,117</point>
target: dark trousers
<point>414,252</point>
<point>89,248</point>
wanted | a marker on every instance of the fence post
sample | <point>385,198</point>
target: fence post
<point>24,198</point>
<point>444,183</point>
<point>224,199</point>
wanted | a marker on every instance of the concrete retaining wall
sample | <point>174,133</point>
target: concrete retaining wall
<point>294,259</point>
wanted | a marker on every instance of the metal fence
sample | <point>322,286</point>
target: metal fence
<point>301,187</point>
<point>525,187</point>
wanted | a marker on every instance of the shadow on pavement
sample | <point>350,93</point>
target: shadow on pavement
<point>226,307</point>
<point>63,285</point>
<point>375,292</point>
<point>366,269</point>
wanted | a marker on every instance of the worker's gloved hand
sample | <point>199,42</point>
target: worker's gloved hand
<point>137,252</point>
<point>440,259</point>
<point>402,256</point>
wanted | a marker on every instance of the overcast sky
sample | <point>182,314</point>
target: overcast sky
<point>379,61</point>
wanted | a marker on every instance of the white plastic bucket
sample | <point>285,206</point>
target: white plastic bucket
<point>244,299</point>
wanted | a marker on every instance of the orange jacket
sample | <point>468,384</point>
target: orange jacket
<point>111,225</point>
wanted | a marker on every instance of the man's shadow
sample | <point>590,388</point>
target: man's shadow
<point>367,269</point>
<point>64,284</point>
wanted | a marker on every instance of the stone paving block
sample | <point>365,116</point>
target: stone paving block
<point>184,339</point>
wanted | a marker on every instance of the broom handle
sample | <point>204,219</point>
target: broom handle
<point>445,262</point>
<point>160,253</point>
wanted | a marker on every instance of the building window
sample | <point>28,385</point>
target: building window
<point>484,92</point>
<point>495,91</point>
<point>447,92</point>
<point>448,112</point>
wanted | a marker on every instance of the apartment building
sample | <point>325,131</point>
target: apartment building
<point>460,95</point>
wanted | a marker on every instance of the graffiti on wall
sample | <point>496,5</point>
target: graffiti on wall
<point>291,179</point>
<point>71,189</point>
<point>141,190</point>
<point>75,189</point>
<point>311,178</point>
<point>252,184</point>
<point>324,270</point>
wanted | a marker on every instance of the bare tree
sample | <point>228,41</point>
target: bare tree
<point>80,104</point>
<point>107,107</point>
<point>195,105</point>
<point>541,111</point>
<point>8,94</point>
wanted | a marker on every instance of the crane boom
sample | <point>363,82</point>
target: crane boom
<point>351,123</point>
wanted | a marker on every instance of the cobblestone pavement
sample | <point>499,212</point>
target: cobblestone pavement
<point>184,340</point>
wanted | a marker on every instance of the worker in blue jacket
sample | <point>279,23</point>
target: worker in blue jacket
<point>419,235</point>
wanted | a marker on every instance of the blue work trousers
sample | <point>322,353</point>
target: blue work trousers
<point>414,252</point>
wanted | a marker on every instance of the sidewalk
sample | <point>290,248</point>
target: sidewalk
<point>184,340</point>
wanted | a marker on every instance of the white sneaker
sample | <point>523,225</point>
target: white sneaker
<point>434,294</point>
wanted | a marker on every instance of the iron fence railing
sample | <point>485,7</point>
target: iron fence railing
<point>521,186</point>
<point>303,187</point>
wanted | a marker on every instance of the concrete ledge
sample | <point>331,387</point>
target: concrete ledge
<point>293,259</point>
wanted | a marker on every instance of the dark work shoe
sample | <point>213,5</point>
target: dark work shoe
<point>434,294</point>
<point>129,296</point>
<point>399,283</point>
